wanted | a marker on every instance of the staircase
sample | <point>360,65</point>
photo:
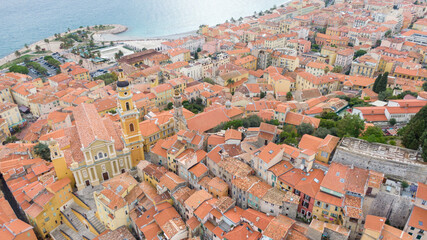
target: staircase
<point>98,225</point>
<point>63,230</point>
<point>82,232</point>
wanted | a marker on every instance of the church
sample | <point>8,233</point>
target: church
<point>96,149</point>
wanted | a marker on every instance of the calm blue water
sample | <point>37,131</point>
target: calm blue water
<point>28,21</point>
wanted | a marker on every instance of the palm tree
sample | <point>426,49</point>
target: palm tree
<point>230,82</point>
<point>17,53</point>
<point>289,96</point>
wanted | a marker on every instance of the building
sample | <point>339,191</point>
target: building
<point>129,118</point>
<point>376,228</point>
<point>115,201</point>
<point>43,204</point>
<point>89,152</point>
<point>249,62</point>
<point>364,66</point>
<point>324,148</point>
<point>10,113</point>
<point>11,227</point>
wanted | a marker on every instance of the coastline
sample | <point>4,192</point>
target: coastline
<point>109,35</point>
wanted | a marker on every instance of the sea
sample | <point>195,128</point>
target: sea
<point>28,21</point>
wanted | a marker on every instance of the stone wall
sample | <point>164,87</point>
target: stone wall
<point>394,162</point>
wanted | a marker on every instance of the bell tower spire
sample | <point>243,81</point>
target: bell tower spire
<point>129,118</point>
<point>179,120</point>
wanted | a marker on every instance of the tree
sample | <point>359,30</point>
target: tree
<point>80,62</point>
<point>350,125</point>
<point>43,151</point>
<point>305,128</point>
<point>376,83</point>
<point>326,70</point>
<point>414,134</point>
<point>425,86</point>
<point>382,85</point>
<point>337,69</point>
<point>170,106</point>
<point>392,121</point>
<point>374,134</point>
<point>404,184</point>
<point>196,55</point>
<point>38,48</point>
<point>19,69</point>
<point>385,95</point>
<point>262,94</point>
<point>322,132</point>
<point>17,53</point>
<point>359,53</point>
<point>387,34</point>
<point>289,135</point>
<point>108,78</point>
<point>26,46</point>
<point>209,80</point>
<point>46,40</point>
<point>11,139</point>
<point>91,43</point>
<point>289,96</point>
<point>230,82</point>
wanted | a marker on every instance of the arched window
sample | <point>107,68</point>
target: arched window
<point>131,128</point>
<point>100,155</point>
<point>127,106</point>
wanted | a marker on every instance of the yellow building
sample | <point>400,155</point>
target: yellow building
<point>326,84</point>
<point>286,25</point>
<point>44,204</point>
<point>80,74</point>
<point>364,66</point>
<point>4,130</point>
<point>329,201</point>
<point>150,172</point>
<point>129,118</point>
<point>115,201</point>
<point>233,79</point>
<point>93,151</point>
<point>331,52</point>
<point>10,113</point>
<point>322,147</point>
<point>285,61</point>
<point>249,62</point>
<point>5,95</point>
<point>164,93</point>
<point>386,64</point>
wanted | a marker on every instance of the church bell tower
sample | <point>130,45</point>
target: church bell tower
<point>179,120</point>
<point>129,118</point>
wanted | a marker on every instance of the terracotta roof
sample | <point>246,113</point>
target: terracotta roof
<point>374,223</point>
<point>422,191</point>
<point>232,134</point>
<point>197,198</point>
<point>59,184</point>
<point>270,151</point>
<point>215,140</point>
<point>418,218</point>
<point>278,227</point>
<point>198,170</point>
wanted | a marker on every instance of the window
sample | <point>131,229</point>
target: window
<point>127,106</point>
<point>131,127</point>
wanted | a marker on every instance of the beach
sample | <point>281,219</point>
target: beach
<point>108,35</point>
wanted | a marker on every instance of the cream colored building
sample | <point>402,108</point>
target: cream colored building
<point>115,201</point>
<point>10,112</point>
